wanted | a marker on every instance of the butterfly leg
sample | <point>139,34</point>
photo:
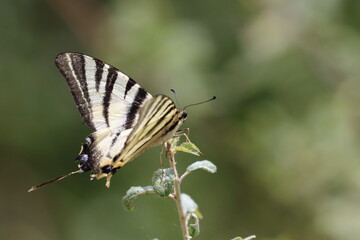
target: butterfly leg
<point>185,131</point>
<point>108,178</point>
<point>161,161</point>
<point>161,154</point>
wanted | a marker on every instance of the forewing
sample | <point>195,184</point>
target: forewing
<point>105,97</point>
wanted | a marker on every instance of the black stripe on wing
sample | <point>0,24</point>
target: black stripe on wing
<point>78,64</point>
<point>129,85</point>
<point>98,74</point>
<point>134,109</point>
<point>169,112</point>
<point>110,81</point>
<point>72,68</point>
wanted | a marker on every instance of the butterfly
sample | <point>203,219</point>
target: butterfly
<point>125,119</point>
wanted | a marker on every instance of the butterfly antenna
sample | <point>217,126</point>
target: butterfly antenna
<point>54,180</point>
<point>177,102</point>
<point>213,98</point>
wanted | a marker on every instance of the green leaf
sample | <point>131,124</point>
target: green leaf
<point>247,238</point>
<point>163,181</point>
<point>174,142</point>
<point>204,165</point>
<point>194,228</point>
<point>188,147</point>
<point>132,194</point>
<point>188,204</point>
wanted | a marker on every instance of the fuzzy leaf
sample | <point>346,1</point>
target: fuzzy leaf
<point>194,228</point>
<point>133,193</point>
<point>188,204</point>
<point>189,147</point>
<point>163,181</point>
<point>204,165</point>
<point>247,238</point>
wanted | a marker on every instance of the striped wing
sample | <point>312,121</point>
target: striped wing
<point>105,97</point>
<point>157,122</point>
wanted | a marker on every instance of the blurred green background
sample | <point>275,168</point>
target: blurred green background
<point>284,131</point>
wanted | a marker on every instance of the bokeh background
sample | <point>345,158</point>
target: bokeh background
<point>284,131</point>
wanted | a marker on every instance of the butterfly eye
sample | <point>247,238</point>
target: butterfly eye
<point>184,115</point>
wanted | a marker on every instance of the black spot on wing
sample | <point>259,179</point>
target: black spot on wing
<point>106,169</point>
<point>115,138</point>
<point>116,157</point>
<point>98,73</point>
<point>110,81</point>
<point>131,82</point>
<point>131,114</point>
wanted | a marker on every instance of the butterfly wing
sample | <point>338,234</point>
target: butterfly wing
<point>105,97</point>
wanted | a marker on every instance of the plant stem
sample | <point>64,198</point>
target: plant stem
<point>177,195</point>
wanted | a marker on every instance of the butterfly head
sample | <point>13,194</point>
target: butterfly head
<point>179,119</point>
<point>183,115</point>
